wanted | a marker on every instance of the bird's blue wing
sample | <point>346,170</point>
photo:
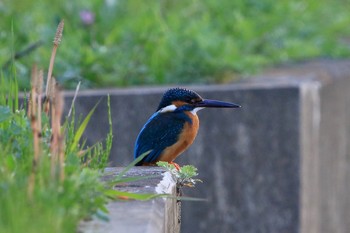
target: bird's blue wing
<point>160,131</point>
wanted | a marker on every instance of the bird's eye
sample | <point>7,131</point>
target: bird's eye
<point>193,101</point>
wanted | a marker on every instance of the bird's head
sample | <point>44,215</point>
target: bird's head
<point>189,100</point>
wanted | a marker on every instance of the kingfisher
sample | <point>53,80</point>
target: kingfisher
<point>173,127</point>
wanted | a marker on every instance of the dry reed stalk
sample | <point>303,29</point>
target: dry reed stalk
<point>55,131</point>
<point>56,42</point>
<point>59,104</point>
<point>57,143</point>
<point>40,83</point>
<point>34,111</point>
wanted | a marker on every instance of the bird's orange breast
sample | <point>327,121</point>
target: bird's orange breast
<point>185,139</point>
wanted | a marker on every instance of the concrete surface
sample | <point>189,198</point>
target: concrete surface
<point>159,215</point>
<point>279,164</point>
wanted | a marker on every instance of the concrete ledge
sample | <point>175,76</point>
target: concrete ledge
<point>160,215</point>
<point>279,164</point>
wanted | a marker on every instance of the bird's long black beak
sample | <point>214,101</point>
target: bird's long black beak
<point>205,103</point>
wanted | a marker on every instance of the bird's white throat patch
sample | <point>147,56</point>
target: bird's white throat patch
<point>194,111</point>
<point>169,108</point>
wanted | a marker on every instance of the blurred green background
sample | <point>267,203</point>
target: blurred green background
<point>129,42</point>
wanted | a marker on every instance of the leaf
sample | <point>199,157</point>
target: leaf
<point>104,209</point>
<point>5,113</point>
<point>189,171</point>
<point>112,193</point>
<point>102,215</point>
<point>11,163</point>
<point>166,165</point>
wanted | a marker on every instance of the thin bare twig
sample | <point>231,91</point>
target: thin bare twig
<point>73,101</point>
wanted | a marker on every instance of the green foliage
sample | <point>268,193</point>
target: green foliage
<point>5,113</point>
<point>54,205</point>
<point>132,42</point>
<point>183,176</point>
<point>79,132</point>
<point>96,156</point>
<point>50,182</point>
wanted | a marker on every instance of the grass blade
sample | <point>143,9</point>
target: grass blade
<point>81,129</point>
<point>134,196</point>
<point>129,179</point>
<point>133,163</point>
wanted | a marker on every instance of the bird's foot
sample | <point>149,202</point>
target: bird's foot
<point>177,166</point>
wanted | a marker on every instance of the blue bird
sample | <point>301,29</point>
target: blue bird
<point>173,127</point>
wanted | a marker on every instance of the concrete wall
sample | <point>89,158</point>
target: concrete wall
<point>281,163</point>
<point>160,215</point>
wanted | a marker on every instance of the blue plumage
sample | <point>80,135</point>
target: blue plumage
<point>175,117</point>
<point>160,131</point>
